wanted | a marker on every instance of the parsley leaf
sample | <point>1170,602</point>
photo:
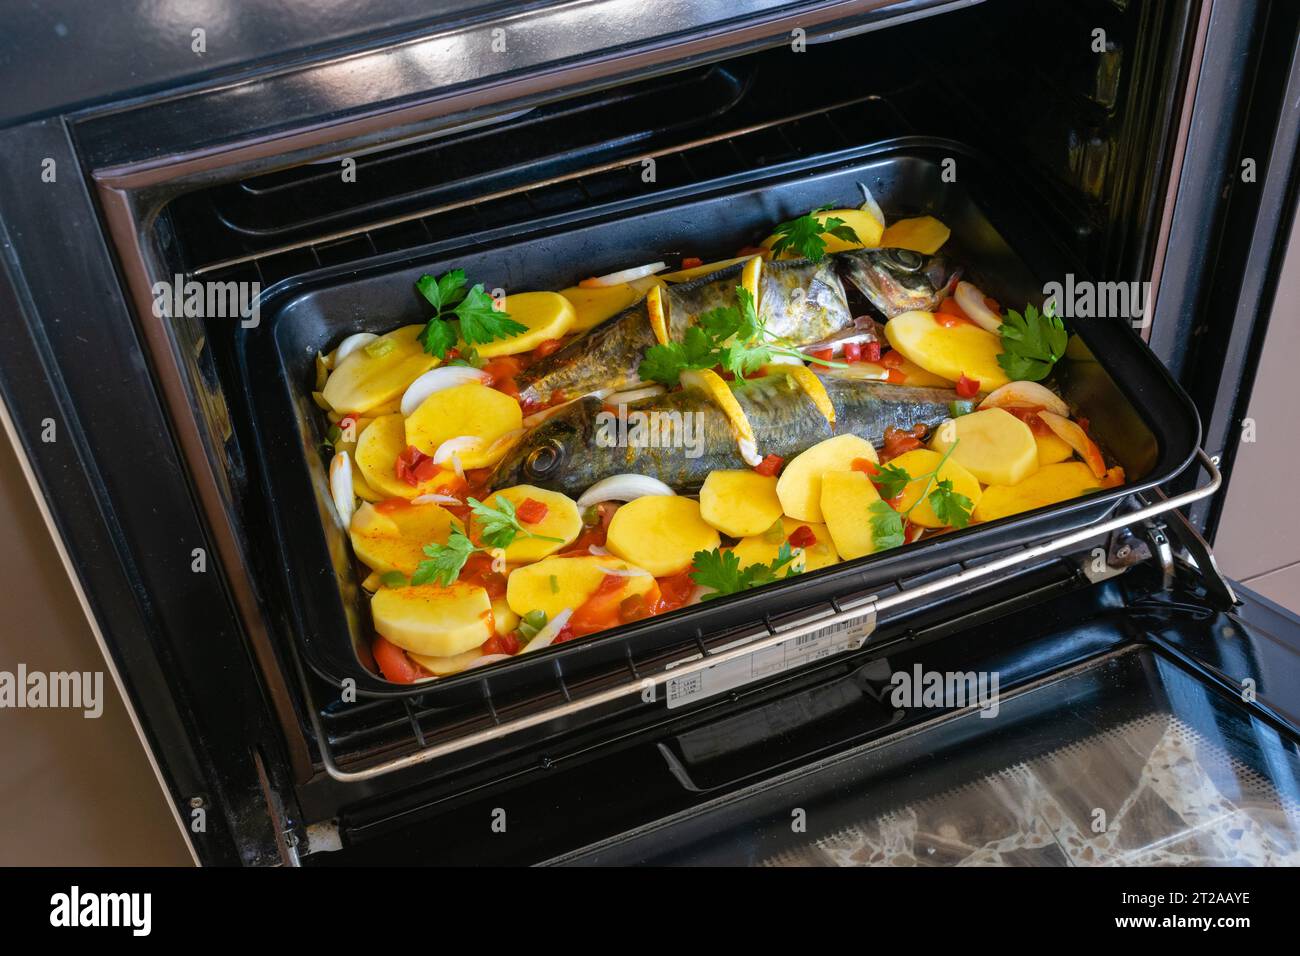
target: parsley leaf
<point>1031,343</point>
<point>890,481</point>
<point>665,363</point>
<point>886,526</point>
<point>461,313</point>
<point>498,525</point>
<point>444,561</point>
<point>721,571</point>
<point>804,235</point>
<point>951,508</point>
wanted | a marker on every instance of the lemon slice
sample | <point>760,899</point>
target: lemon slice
<point>654,303</point>
<point>712,384</point>
<point>685,275</point>
<point>812,385</point>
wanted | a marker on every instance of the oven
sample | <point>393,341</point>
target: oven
<point>1124,140</point>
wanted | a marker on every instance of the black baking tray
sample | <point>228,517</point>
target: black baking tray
<point>1137,412</point>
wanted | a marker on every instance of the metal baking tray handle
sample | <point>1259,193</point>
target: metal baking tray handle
<point>843,627</point>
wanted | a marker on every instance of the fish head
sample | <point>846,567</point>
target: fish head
<point>899,280</point>
<point>543,456</point>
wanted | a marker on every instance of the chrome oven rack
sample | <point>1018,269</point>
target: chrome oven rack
<point>851,618</point>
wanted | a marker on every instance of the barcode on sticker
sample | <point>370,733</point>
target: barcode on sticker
<point>796,650</point>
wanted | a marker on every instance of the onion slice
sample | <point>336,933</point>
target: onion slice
<point>353,342</point>
<point>1073,435</point>
<point>624,275</point>
<point>870,206</point>
<point>627,487</point>
<point>749,452</point>
<point>1026,395</point>
<point>341,487</point>
<point>971,301</point>
<point>628,572</point>
<point>452,445</point>
<point>435,500</point>
<point>550,632</point>
<point>634,395</point>
<point>435,380</point>
<point>487,659</point>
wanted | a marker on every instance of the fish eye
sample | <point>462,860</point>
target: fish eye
<point>543,460</point>
<point>905,260</point>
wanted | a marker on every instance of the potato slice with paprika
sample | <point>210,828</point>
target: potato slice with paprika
<point>847,497</point>
<point>800,484</point>
<point>378,373</point>
<point>393,538</point>
<point>739,503</point>
<point>924,234</point>
<point>546,315</point>
<point>993,445</point>
<point>660,533</point>
<point>809,556</point>
<point>472,410</point>
<point>550,514</point>
<point>594,305</point>
<point>949,351</point>
<point>432,620</point>
<point>446,666</point>
<point>1049,485</point>
<point>554,584</point>
<point>921,462</point>
<point>377,450</point>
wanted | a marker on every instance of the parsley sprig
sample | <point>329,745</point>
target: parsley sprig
<point>733,337</point>
<point>1031,343</point>
<point>498,527</point>
<point>949,506</point>
<point>721,571</point>
<point>804,234</point>
<point>461,313</point>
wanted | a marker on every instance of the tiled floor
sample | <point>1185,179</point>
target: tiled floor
<point>1257,543</point>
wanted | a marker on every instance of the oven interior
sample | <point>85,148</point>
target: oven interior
<point>1076,104</point>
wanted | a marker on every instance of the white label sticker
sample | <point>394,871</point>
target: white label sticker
<point>794,651</point>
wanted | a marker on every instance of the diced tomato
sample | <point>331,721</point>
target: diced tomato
<point>825,354</point>
<point>751,251</point>
<point>770,465</point>
<point>425,470</point>
<point>548,347</point>
<point>452,353</point>
<point>634,607</point>
<point>601,609</point>
<point>950,313</point>
<point>1082,422</point>
<point>391,504</point>
<point>407,466</point>
<point>852,352</point>
<point>478,570</point>
<point>674,592</point>
<point>891,359</point>
<point>691,262</point>
<point>393,662</point>
<point>866,466</point>
<point>898,441</point>
<point>802,537</point>
<point>993,304</point>
<point>1030,417</point>
<point>566,634</point>
<point>871,351</point>
<point>968,387</point>
<point>896,377</point>
<point>500,644</point>
<point>531,511</point>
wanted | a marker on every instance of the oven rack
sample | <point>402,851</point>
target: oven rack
<point>856,615</point>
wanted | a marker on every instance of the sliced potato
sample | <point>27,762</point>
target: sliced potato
<point>431,620</point>
<point>471,409</point>
<point>1052,449</point>
<point>763,548</point>
<point>378,373</point>
<point>993,445</point>
<point>504,620</point>
<point>868,228</point>
<point>923,234</point>
<point>554,584</point>
<point>593,306</point>
<point>847,497</point>
<point>739,503</point>
<point>800,486</point>
<point>921,462</point>
<point>562,521</point>
<point>1047,486</point>
<point>660,533</point>
<point>376,457</point>
<point>445,666</point>
<point>948,351</point>
<point>547,315</point>
<point>394,539</point>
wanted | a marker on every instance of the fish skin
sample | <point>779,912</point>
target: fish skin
<point>563,454</point>
<point>800,301</point>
